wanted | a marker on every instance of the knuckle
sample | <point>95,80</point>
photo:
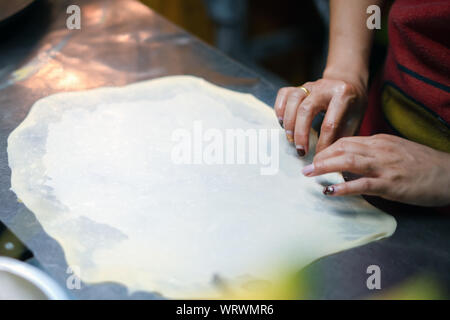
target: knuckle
<point>289,124</point>
<point>298,93</point>
<point>380,141</point>
<point>367,185</point>
<point>382,136</point>
<point>309,84</point>
<point>395,177</point>
<point>304,108</point>
<point>329,126</point>
<point>317,83</point>
<point>318,165</point>
<point>300,136</point>
<point>292,99</point>
<point>341,145</point>
<point>346,89</point>
<point>346,188</point>
<point>284,91</point>
<point>350,161</point>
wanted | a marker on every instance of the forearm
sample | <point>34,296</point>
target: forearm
<point>350,41</point>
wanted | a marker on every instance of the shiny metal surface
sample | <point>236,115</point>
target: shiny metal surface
<point>121,42</point>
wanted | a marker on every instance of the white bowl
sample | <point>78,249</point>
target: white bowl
<point>21,281</point>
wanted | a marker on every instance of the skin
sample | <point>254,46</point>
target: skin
<point>391,167</point>
<point>388,166</point>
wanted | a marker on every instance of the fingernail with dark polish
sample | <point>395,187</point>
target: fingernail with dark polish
<point>328,190</point>
<point>280,121</point>
<point>300,150</point>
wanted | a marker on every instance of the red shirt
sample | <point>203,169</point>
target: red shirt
<point>411,98</point>
<point>417,70</point>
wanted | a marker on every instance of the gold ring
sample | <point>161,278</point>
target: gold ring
<point>306,90</point>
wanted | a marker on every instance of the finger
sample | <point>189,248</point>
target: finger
<point>280,103</point>
<point>345,145</point>
<point>333,121</point>
<point>350,162</point>
<point>306,112</point>
<point>367,186</point>
<point>294,99</point>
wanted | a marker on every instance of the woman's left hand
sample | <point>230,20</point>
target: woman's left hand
<point>390,167</point>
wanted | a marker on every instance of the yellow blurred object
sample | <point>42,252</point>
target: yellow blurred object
<point>401,111</point>
<point>416,288</point>
<point>299,286</point>
<point>285,286</point>
<point>190,15</point>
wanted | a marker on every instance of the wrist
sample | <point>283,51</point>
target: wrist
<point>440,169</point>
<point>356,74</point>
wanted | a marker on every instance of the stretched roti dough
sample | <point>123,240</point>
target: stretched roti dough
<point>95,168</point>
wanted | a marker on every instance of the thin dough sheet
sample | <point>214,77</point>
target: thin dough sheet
<point>97,169</point>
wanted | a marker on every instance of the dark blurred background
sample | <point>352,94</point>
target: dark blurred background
<point>283,40</point>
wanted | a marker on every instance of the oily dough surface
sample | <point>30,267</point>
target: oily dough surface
<point>95,168</point>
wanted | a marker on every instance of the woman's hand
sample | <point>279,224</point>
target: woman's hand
<point>343,101</point>
<point>342,91</point>
<point>390,167</point>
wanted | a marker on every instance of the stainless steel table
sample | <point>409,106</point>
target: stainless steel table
<point>121,42</point>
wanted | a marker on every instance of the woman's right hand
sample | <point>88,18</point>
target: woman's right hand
<point>344,104</point>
